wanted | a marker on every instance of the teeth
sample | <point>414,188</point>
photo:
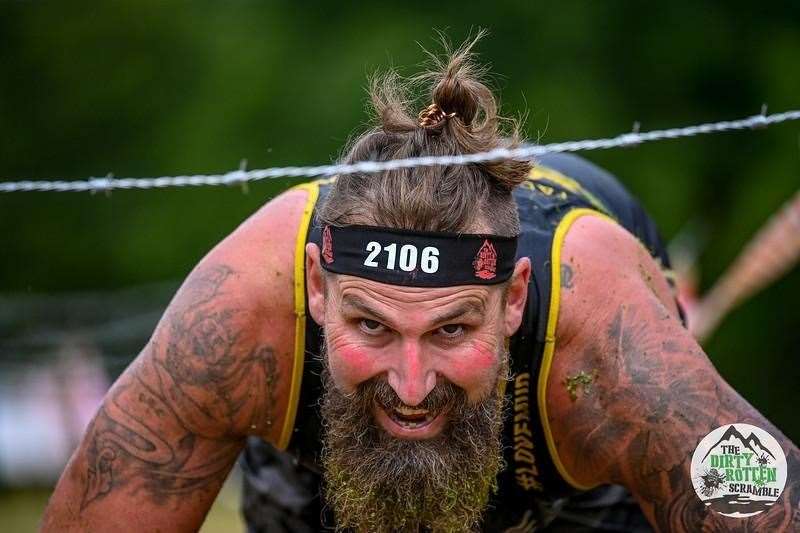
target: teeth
<point>409,411</point>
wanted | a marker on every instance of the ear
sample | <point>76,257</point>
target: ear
<point>315,284</point>
<point>516,296</point>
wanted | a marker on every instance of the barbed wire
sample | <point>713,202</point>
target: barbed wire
<point>243,176</point>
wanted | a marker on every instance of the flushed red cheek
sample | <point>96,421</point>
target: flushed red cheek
<point>475,368</point>
<point>352,365</point>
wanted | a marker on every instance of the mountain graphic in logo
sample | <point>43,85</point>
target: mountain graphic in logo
<point>751,443</point>
<point>738,470</point>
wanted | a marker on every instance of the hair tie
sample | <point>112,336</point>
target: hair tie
<point>433,115</point>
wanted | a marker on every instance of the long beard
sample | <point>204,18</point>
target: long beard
<point>375,482</point>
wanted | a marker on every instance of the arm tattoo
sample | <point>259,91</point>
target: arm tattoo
<point>566,276</point>
<point>646,412</point>
<point>174,422</point>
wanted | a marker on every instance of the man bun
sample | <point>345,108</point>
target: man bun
<point>456,113</point>
<point>460,88</point>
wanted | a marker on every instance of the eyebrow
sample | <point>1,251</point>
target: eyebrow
<point>350,300</point>
<point>464,308</point>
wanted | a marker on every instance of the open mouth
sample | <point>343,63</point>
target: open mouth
<point>415,418</point>
<point>409,417</point>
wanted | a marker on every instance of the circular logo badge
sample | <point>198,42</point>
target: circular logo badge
<point>738,470</point>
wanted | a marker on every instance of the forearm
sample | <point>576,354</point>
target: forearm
<point>124,511</point>
<point>669,499</point>
<point>172,425</point>
<point>140,467</point>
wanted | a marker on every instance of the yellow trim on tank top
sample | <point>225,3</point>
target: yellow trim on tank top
<point>299,312</point>
<point>550,338</point>
<point>539,172</point>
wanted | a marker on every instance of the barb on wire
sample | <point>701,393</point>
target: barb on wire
<point>242,176</point>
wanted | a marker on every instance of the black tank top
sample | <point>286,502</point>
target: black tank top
<point>282,490</point>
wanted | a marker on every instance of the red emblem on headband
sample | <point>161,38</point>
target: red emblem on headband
<point>485,262</point>
<point>327,245</point>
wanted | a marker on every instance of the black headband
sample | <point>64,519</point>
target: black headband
<point>417,258</point>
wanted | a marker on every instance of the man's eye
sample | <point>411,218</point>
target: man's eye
<point>371,326</point>
<point>451,330</point>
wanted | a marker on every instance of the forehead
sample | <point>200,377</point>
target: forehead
<point>348,289</point>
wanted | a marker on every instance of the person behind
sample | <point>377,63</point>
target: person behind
<point>446,348</point>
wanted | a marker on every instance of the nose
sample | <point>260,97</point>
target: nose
<point>411,376</point>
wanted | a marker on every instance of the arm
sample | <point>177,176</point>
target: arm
<point>768,255</point>
<point>653,393</point>
<point>216,369</point>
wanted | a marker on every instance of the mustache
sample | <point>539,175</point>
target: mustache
<point>377,390</point>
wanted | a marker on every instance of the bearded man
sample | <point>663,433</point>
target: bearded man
<point>489,343</point>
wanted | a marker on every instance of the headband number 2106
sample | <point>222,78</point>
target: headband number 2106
<point>407,260</point>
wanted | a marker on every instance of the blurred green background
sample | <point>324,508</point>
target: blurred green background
<point>154,88</point>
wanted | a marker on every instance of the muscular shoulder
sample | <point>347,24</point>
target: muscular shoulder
<point>623,364</point>
<point>602,263</point>
<point>225,345</point>
<point>262,248</point>
<point>216,369</point>
<point>630,393</point>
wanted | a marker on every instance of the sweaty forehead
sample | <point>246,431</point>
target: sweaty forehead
<point>348,289</point>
